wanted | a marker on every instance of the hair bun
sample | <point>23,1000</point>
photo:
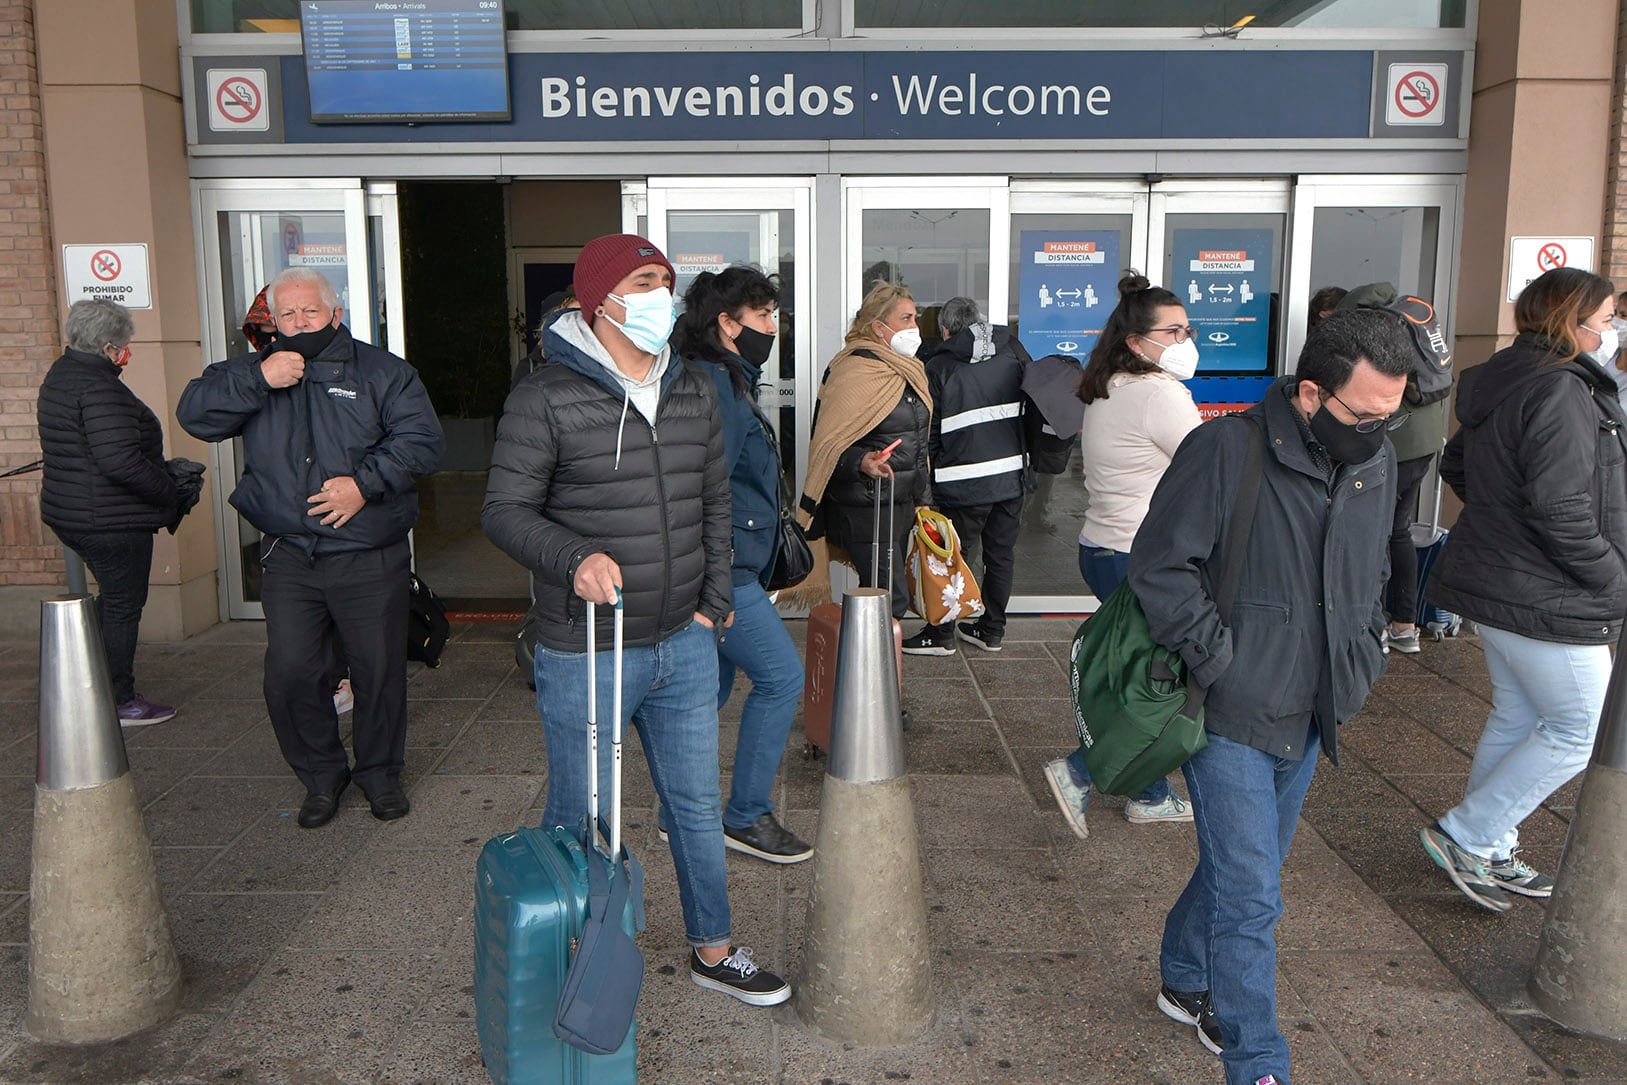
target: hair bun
<point>1133,282</point>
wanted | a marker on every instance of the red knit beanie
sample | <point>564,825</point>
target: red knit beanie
<point>606,261</point>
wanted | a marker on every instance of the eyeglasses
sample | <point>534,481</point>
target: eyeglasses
<point>1390,422</point>
<point>1181,332</point>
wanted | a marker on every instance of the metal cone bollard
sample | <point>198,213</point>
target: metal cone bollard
<point>866,969</point>
<point>1580,975</point>
<point>101,964</point>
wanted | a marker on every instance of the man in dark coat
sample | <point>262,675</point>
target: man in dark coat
<point>978,460</point>
<point>335,433</point>
<point>106,490</point>
<point>1298,656</point>
<point>583,493</point>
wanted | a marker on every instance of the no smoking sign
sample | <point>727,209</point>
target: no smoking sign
<point>1529,257</point>
<point>237,100</point>
<point>1415,95</point>
<point>111,272</point>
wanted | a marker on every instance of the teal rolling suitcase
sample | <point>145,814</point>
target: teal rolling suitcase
<point>531,901</point>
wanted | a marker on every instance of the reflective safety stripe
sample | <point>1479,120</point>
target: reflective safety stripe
<point>979,415</point>
<point>978,470</point>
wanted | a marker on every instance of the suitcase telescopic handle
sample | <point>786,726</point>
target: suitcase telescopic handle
<point>615,726</point>
<point>875,533</point>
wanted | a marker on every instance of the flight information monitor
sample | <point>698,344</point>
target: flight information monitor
<point>371,61</point>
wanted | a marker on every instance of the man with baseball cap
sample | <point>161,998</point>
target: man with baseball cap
<point>609,478</point>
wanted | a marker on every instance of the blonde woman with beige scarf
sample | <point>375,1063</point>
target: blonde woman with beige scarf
<point>871,423</point>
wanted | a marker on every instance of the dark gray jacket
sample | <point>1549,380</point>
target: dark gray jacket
<point>104,451</point>
<point>1540,548</point>
<point>1303,646</point>
<point>577,470</point>
<point>359,411</point>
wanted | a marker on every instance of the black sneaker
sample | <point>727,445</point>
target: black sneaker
<point>925,643</point>
<point>1192,1008</point>
<point>974,632</point>
<point>736,975</point>
<point>767,839</point>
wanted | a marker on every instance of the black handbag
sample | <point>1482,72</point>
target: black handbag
<point>793,557</point>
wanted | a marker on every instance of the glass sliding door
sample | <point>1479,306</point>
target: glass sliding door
<point>251,231</point>
<point>764,223</point>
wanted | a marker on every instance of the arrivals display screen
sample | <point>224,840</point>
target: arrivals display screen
<point>371,61</point>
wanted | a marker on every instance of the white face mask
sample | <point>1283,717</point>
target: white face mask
<point>906,342</point>
<point>1609,342</point>
<point>1179,360</point>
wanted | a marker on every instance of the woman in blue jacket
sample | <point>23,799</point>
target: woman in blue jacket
<point>728,327</point>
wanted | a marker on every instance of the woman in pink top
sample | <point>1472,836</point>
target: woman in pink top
<point>1137,412</point>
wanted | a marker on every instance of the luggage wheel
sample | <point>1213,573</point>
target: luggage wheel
<point>810,752</point>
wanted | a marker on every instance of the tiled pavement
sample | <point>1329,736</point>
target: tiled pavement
<point>343,955</point>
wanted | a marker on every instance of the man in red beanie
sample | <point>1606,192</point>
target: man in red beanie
<point>585,494</point>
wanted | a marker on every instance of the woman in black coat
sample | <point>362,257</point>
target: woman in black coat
<point>1539,559</point>
<point>106,490</point>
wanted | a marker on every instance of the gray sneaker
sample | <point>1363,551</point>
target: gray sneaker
<point>1073,799</point>
<point>1407,643</point>
<point>1517,877</point>
<point>1173,808</point>
<point>1466,869</point>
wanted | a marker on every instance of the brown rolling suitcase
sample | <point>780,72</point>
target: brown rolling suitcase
<point>819,659</point>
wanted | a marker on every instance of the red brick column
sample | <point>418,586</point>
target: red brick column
<point>29,337</point>
<point>1613,258</point>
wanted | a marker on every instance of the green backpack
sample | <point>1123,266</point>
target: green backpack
<point>1137,707</point>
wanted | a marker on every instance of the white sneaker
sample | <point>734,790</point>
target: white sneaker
<point>1072,798</point>
<point>1173,808</point>
<point>343,698</point>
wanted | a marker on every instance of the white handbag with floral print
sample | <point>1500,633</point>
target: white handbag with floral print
<point>942,588</point>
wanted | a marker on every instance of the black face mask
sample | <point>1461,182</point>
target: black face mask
<point>754,346</point>
<point>1342,441</point>
<point>306,344</point>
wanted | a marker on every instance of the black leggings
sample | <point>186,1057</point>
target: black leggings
<point>1401,597</point>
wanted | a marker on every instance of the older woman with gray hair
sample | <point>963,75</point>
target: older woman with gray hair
<point>106,490</point>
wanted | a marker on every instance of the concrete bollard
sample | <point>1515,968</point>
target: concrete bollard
<point>866,963</point>
<point>101,964</point>
<point>1580,975</point>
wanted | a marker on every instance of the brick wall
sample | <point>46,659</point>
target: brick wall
<point>29,338</point>
<point>1613,260</point>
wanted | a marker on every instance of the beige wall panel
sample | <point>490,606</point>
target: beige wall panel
<point>108,43</point>
<point>566,213</point>
<point>1564,39</point>
<point>1485,204</point>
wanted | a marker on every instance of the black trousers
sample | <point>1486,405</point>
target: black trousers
<point>992,531</point>
<point>858,536</point>
<point>121,562</point>
<point>1401,594</point>
<point>354,606</point>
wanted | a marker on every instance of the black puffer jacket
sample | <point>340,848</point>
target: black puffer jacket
<point>1540,548</point>
<point>104,451</point>
<point>976,448</point>
<point>909,422</point>
<point>577,470</point>
<point>359,412</point>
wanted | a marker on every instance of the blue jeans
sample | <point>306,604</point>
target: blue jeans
<point>758,644</point>
<point>1104,570</point>
<point>1221,935</point>
<point>1546,699</point>
<point>669,693</point>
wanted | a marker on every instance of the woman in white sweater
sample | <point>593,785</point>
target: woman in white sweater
<point>1137,412</point>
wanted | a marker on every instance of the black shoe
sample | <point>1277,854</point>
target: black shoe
<point>736,975</point>
<point>925,643</point>
<point>320,806</point>
<point>905,720</point>
<point>978,635</point>
<point>767,839</point>
<point>1192,1008</point>
<point>389,804</point>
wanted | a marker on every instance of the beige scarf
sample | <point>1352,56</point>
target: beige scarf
<point>858,393</point>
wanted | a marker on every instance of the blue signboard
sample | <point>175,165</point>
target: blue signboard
<point>887,95</point>
<point>1067,283</point>
<point>1223,277</point>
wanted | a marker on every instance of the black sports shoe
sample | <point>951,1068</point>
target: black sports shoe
<point>925,644</point>
<point>1192,1008</point>
<point>736,975</point>
<point>974,632</point>
<point>767,839</point>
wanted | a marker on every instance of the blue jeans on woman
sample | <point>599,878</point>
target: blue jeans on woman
<point>669,693</point>
<point>1104,570</point>
<point>758,644</point>
<point>1546,699</point>
<point>1221,935</point>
